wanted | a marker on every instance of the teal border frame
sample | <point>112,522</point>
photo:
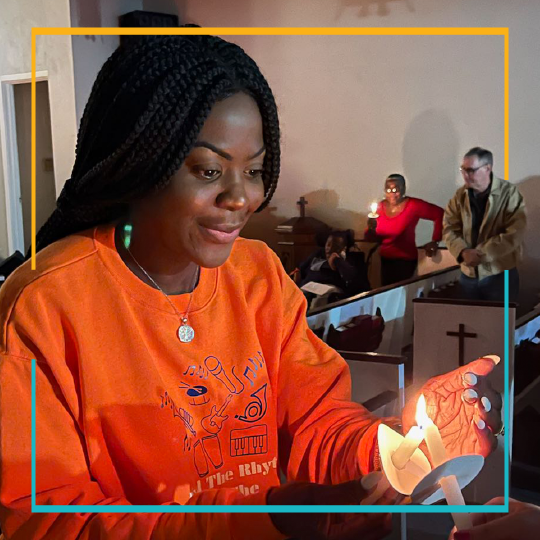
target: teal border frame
<point>250,508</point>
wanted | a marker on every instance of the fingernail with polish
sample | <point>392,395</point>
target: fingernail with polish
<point>486,404</point>
<point>462,535</point>
<point>480,423</point>
<point>470,379</point>
<point>470,396</point>
<point>371,480</point>
<point>494,358</point>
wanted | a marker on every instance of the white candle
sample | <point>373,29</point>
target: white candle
<point>403,454</point>
<point>415,469</point>
<point>431,433</point>
<point>453,496</point>
<point>434,443</point>
<point>408,447</point>
<point>373,214</point>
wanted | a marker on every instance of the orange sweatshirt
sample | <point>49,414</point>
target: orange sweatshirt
<point>127,414</point>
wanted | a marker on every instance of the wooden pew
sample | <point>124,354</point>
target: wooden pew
<point>378,381</point>
<point>393,303</point>
<point>426,265</point>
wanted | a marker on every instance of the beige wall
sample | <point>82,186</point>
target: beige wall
<point>53,55</point>
<point>90,52</point>
<point>355,109</point>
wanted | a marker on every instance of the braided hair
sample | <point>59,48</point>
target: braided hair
<point>147,106</point>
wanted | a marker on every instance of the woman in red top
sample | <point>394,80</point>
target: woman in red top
<point>396,226</point>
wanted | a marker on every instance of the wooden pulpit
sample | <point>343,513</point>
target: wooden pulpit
<point>299,237</point>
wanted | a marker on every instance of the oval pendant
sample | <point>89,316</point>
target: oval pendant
<point>186,333</point>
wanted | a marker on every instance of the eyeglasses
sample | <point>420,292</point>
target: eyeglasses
<point>470,171</point>
<point>392,190</point>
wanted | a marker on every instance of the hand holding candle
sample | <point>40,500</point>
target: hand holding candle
<point>469,430</point>
<point>401,456</point>
<point>466,425</point>
<point>372,222</point>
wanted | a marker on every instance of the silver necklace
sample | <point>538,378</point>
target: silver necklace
<point>185,331</point>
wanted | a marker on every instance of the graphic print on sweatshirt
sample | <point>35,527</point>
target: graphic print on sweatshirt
<point>223,412</point>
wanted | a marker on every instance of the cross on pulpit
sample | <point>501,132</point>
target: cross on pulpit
<point>461,334</point>
<point>302,204</point>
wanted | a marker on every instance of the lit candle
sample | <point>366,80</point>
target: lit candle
<point>407,448</point>
<point>373,214</point>
<point>412,440</point>
<point>431,433</point>
<point>435,444</point>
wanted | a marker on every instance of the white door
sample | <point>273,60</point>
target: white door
<point>15,135</point>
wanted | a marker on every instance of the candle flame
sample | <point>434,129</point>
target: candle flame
<point>374,208</point>
<point>421,417</point>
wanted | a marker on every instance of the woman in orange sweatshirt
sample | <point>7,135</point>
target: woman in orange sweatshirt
<point>174,362</point>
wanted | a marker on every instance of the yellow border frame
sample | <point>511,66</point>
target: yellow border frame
<point>270,31</point>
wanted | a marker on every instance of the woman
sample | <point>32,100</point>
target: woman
<point>171,353</point>
<point>395,228</point>
<point>335,265</point>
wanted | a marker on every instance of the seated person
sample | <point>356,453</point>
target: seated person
<point>336,265</point>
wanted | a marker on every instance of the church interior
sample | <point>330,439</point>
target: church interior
<point>353,110</point>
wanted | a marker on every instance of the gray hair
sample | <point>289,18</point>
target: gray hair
<point>485,156</point>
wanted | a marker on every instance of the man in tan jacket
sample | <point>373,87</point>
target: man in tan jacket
<point>483,228</point>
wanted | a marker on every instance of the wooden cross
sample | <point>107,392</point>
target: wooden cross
<point>302,204</point>
<point>461,334</point>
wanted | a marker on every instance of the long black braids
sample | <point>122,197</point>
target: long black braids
<point>146,109</point>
